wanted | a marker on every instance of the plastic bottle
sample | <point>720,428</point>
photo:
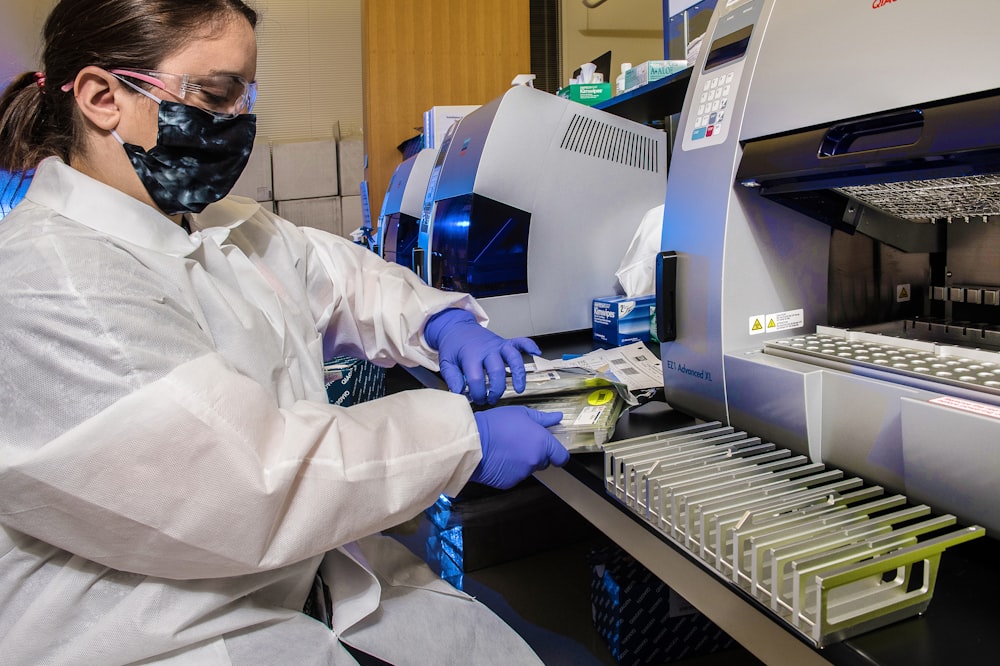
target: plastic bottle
<point>620,80</point>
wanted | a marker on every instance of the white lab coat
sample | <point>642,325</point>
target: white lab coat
<point>171,475</point>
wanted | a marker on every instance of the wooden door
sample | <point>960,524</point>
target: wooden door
<point>423,53</point>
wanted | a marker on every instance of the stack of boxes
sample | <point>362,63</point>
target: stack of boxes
<point>310,182</point>
<point>256,182</point>
<point>306,186</point>
<point>351,163</point>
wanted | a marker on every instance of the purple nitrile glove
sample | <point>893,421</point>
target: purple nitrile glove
<point>516,443</point>
<point>467,349</point>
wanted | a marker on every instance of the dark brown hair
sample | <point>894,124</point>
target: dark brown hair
<point>38,121</point>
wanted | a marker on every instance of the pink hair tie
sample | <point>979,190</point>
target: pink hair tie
<point>40,79</point>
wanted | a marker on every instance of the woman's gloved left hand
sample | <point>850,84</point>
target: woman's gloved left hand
<point>515,443</point>
<point>470,353</point>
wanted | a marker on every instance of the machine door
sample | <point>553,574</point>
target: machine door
<point>479,246</point>
<point>401,232</point>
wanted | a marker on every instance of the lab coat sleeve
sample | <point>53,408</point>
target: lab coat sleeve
<point>199,475</point>
<point>369,308</point>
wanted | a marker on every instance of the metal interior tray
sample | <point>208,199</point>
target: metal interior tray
<point>974,369</point>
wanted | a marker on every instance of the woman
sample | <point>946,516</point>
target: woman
<point>172,481</point>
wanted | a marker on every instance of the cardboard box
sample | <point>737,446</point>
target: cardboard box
<point>651,70</point>
<point>255,182</point>
<point>641,619</point>
<point>622,320</point>
<point>321,213</point>
<point>352,214</point>
<point>586,93</point>
<point>351,152</point>
<point>350,381</point>
<point>304,169</point>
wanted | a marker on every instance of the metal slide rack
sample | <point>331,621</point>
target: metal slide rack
<point>828,554</point>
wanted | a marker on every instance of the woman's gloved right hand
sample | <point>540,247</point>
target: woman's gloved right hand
<point>515,444</point>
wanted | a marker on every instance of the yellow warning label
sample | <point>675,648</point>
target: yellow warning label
<point>600,397</point>
<point>771,324</point>
<point>756,325</point>
<point>904,294</point>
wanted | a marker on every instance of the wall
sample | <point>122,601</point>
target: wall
<point>631,29</point>
<point>308,68</point>
<point>20,28</point>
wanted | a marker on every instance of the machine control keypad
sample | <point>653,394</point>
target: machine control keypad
<point>713,105</point>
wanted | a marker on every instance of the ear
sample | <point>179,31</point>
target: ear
<point>99,96</point>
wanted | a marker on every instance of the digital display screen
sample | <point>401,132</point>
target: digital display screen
<point>728,48</point>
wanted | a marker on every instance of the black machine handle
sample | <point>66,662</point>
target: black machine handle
<point>666,296</point>
<point>889,130</point>
<point>417,262</point>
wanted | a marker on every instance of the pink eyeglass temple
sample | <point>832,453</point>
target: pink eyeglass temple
<point>124,72</point>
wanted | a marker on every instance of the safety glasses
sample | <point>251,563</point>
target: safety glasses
<point>222,95</point>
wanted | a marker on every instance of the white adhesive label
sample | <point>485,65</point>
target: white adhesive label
<point>776,321</point>
<point>969,406</point>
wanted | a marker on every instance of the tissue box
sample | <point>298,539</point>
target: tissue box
<point>641,619</point>
<point>350,381</point>
<point>622,320</point>
<point>586,93</point>
<point>651,70</point>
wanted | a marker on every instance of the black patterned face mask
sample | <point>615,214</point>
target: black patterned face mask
<point>197,159</point>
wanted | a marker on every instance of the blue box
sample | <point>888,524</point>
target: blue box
<point>350,381</point>
<point>622,320</point>
<point>641,619</point>
<point>485,527</point>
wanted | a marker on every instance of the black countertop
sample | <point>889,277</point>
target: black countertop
<point>957,627</point>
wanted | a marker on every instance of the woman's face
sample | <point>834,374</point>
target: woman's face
<point>230,48</point>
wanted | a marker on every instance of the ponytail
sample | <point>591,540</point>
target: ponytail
<point>29,131</point>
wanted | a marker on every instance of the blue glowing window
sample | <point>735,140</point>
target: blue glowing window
<point>480,246</point>
<point>401,233</point>
<point>12,189</point>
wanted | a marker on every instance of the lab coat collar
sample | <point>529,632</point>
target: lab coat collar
<point>221,217</point>
<point>103,208</point>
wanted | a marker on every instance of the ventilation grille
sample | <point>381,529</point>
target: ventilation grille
<point>599,139</point>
